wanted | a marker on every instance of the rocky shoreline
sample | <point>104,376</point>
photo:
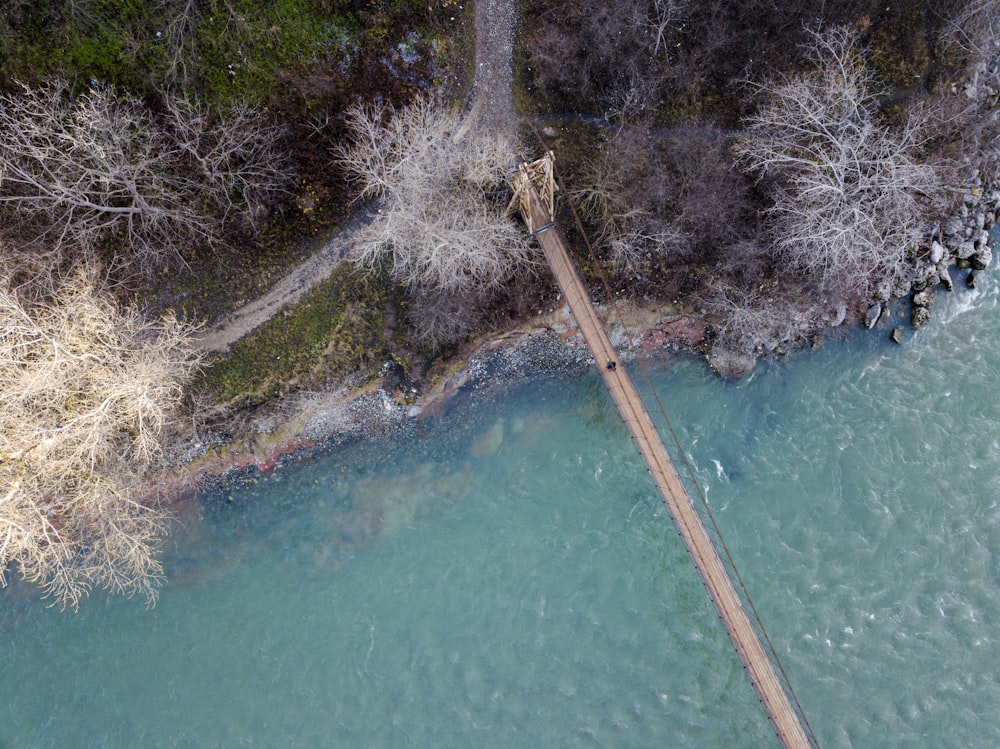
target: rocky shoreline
<point>393,405</point>
<point>962,242</point>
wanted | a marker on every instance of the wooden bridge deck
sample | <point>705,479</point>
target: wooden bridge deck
<point>692,530</point>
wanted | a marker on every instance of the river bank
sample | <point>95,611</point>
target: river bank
<point>954,249</point>
<point>391,404</point>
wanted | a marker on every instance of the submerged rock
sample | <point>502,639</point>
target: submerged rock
<point>731,364</point>
<point>489,442</point>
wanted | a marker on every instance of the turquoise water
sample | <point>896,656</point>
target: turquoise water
<point>506,576</point>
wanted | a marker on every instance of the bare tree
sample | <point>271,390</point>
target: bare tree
<point>612,195</point>
<point>615,54</point>
<point>968,113</point>
<point>87,391</point>
<point>661,20</point>
<point>848,191</point>
<point>441,317</point>
<point>442,223</point>
<point>83,170</point>
<point>974,31</point>
<point>758,321</point>
<point>179,38</point>
<point>237,166</point>
<point>96,170</point>
<point>656,196</point>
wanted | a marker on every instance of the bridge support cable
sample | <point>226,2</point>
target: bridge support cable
<point>533,186</point>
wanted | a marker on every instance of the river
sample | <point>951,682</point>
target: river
<point>507,577</point>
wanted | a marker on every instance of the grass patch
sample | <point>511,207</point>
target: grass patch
<point>246,45</point>
<point>107,40</point>
<point>259,51</point>
<point>338,327</point>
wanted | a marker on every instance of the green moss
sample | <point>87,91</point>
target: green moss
<point>246,45</point>
<point>254,50</point>
<point>107,40</point>
<point>898,46</point>
<point>338,327</point>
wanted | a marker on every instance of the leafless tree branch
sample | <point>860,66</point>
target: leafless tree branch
<point>442,223</point>
<point>95,170</point>
<point>848,191</point>
<point>87,391</point>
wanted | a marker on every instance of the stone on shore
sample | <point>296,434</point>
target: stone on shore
<point>872,315</point>
<point>731,364</point>
<point>924,298</point>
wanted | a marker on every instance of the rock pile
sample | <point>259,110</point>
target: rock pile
<point>962,242</point>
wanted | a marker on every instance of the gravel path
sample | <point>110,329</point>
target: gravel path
<point>491,98</point>
<point>490,104</point>
<point>288,289</point>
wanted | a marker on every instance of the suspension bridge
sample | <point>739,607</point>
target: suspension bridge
<point>534,189</point>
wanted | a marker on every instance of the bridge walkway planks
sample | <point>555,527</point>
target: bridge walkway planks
<point>709,564</point>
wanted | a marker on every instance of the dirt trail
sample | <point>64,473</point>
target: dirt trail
<point>490,104</point>
<point>289,288</point>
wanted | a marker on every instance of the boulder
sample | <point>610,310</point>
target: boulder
<point>952,226</point>
<point>924,298</point>
<point>919,316</point>
<point>838,315</point>
<point>982,259</point>
<point>927,274</point>
<point>970,280</point>
<point>730,363</point>
<point>873,314</point>
<point>965,250</point>
<point>896,336</point>
<point>937,252</point>
<point>944,277</point>
<point>901,288</point>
